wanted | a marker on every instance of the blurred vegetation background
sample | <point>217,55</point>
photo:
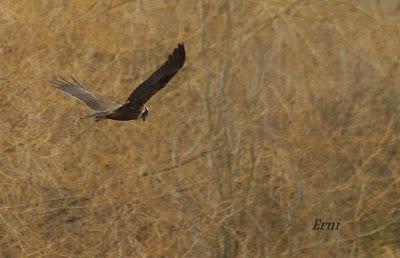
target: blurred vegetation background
<point>285,112</point>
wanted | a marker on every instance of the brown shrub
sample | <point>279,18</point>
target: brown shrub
<point>285,112</point>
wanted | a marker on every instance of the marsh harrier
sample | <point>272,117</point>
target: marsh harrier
<point>134,107</point>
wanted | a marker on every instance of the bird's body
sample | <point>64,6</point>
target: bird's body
<point>128,112</point>
<point>133,108</point>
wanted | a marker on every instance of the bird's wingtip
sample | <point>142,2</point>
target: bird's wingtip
<point>181,45</point>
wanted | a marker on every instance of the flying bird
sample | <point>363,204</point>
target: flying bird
<point>134,107</point>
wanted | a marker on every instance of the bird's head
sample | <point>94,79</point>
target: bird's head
<point>145,112</point>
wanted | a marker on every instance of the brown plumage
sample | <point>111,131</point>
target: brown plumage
<point>134,107</point>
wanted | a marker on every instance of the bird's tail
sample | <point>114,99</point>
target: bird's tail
<point>98,114</point>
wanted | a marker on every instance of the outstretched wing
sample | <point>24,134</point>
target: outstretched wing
<point>76,90</point>
<point>159,78</point>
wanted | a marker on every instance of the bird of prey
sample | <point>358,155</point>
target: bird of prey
<point>134,107</point>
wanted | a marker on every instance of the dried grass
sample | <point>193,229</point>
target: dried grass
<point>285,112</point>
